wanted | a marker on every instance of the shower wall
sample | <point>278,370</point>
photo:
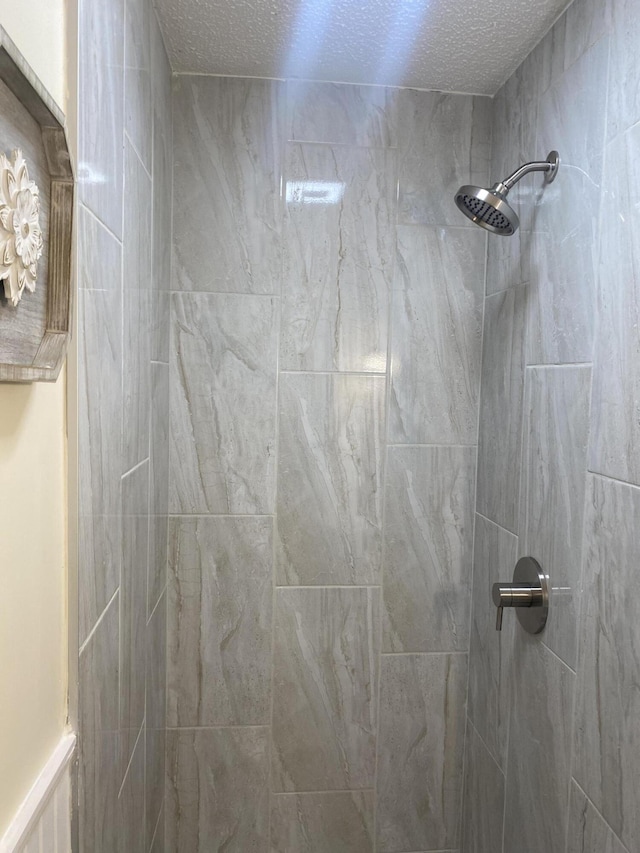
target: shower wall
<point>553,738</point>
<point>124,225</point>
<point>326,324</point>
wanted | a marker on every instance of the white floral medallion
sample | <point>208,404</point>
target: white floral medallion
<point>20,233</point>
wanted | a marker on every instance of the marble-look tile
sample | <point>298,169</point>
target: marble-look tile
<point>131,814</point>
<point>155,720</point>
<point>509,260</point>
<point>220,602</point>
<point>158,845</point>
<point>587,21</point>
<point>99,254</point>
<point>99,776</point>
<point>337,822</point>
<point>588,833</point>
<point>571,119</point>
<point>136,303</point>
<point>623,102</point>
<point>607,736</point>
<point>443,142</point>
<point>428,547</point>
<point>101,109</point>
<point>494,557</point>
<point>539,759</point>
<point>554,462</point>
<point>338,257</point>
<point>548,58</point>
<point>227,137</point>
<point>325,689</point>
<point>217,790</point>
<point>138,103</point>
<point>342,114</point>
<point>436,336</point>
<point>159,494</point>
<point>133,607</point>
<point>420,751</point>
<point>99,440</point>
<point>483,812</point>
<point>500,433</point>
<point>223,403</point>
<point>329,506</point>
<point>615,443</point>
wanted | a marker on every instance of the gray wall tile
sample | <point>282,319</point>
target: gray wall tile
<point>131,814</point>
<point>607,738</point>
<point>217,790</point>
<point>443,142</point>
<point>494,558</point>
<point>138,117</point>
<point>623,101</point>
<point>337,822</point>
<point>500,433</point>
<point>588,833</point>
<point>554,461</point>
<point>420,751</point>
<point>615,447</point>
<point>227,164</point>
<point>133,607</point>
<point>155,719</point>
<point>330,470</point>
<point>159,474</point>
<point>484,787</point>
<point>428,547</point>
<point>539,758</point>
<point>220,601</point>
<point>337,113</point>
<point>325,689</point>
<point>436,336</point>
<point>338,257</point>
<point>223,362</point>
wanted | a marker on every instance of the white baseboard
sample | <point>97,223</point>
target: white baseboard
<point>46,807</point>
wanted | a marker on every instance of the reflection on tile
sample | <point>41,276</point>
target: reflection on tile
<point>133,607</point>
<point>220,594</point>
<point>159,496</point>
<point>99,442</point>
<point>443,142</point>
<point>137,78</point>
<point>624,71</point>
<point>554,462</point>
<point>227,146</point>
<point>494,558</point>
<point>420,751</point>
<point>436,336</point>
<point>325,689</point>
<point>223,363</point>
<point>342,114</point>
<point>136,354</point>
<point>501,406</point>
<point>588,833</point>
<point>484,785</point>
<point>615,448</point>
<point>607,737</point>
<point>322,823</point>
<point>131,799</point>
<point>338,248</point>
<point>156,670</point>
<point>564,247</point>
<point>539,760</point>
<point>99,777</point>
<point>101,109</point>
<point>217,790</point>
<point>330,471</point>
<point>428,546</point>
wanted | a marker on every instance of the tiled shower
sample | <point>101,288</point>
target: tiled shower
<point>295,355</point>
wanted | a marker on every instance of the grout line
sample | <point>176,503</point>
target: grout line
<point>610,479</point>
<point>328,586</point>
<point>134,148</point>
<point>596,809</point>
<point>84,206</point>
<point>423,654</point>
<point>133,752</point>
<point>484,743</point>
<point>98,621</point>
<point>138,465</point>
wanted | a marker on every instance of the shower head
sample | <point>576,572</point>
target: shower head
<point>489,208</point>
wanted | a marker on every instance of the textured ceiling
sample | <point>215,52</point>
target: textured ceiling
<point>448,45</point>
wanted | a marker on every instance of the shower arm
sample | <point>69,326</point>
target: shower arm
<point>550,166</point>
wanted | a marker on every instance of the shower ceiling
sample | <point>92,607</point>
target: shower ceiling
<point>449,45</point>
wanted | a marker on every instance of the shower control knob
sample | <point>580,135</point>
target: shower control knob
<point>529,592</point>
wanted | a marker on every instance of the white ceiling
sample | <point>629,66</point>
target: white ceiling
<point>448,45</point>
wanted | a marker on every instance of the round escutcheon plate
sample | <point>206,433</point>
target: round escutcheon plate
<point>529,571</point>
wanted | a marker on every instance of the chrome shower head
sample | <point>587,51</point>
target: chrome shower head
<point>489,208</point>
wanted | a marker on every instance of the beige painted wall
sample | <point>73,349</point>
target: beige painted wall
<point>33,576</point>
